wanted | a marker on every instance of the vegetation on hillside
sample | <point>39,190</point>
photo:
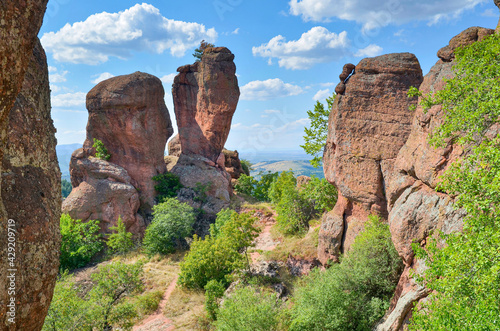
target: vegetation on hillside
<point>464,275</point>
<point>65,188</point>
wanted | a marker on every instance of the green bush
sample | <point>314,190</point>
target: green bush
<point>259,189</point>
<point>246,310</point>
<point>168,184</point>
<point>247,166</point>
<point>106,306</point>
<point>172,221</point>
<point>246,184</point>
<point>216,257</point>
<point>120,241</point>
<point>354,294</point>
<point>101,151</point>
<point>80,241</point>
<point>65,188</point>
<point>148,302</point>
<point>321,194</point>
<point>214,290</point>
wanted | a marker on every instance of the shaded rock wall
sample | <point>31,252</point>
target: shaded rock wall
<point>31,183</point>
<point>368,125</point>
<point>129,115</point>
<point>415,207</point>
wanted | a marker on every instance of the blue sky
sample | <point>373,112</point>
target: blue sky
<point>288,53</point>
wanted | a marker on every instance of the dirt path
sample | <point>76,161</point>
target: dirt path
<point>157,321</point>
<point>264,241</point>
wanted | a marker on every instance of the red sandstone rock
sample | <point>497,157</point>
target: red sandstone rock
<point>347,71</point>
<point>102,191</point>
<point>129,115</point>
<point>174,146</point>
<point>367,127</point>
<point>205,97</point>
<point>232,163</point>
<point>31,180</point>
<point>466,37</point>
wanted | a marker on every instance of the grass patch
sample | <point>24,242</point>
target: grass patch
<point>304,247</point>
<point>186,309</point>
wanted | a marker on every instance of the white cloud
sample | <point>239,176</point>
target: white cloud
<point>102,77</point>
<point>236,31</point>
<point>318,45</point>
<point>369,51</point>
<point>69,100</point>
<point>380,13</point>
<point>57,77</point>
<point>168,79</point>
<point>236,125</point>
<point>322,95</point>
<point>268,89</point>
<point>139,28</point>
<point>272,111</point>
<point>490,13</point>
<point>52,69</point>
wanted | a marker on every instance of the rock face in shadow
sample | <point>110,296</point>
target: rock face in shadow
<point>174,146</point>
<point>128,114</point>
<point>232,163</point>
<point>205,97</point>
<point>102,191</point>
<point>415,208</point>
<point>367,127</point>
<point>31,181</point>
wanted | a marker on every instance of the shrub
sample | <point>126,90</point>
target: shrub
<point>79,242</point>
<point>101,151</point>
<point>246,166</point>
<point>354,294</point>
<point>246,184</point>
<point>321,194</point>
<point>172,221</point>
<point>216,257</point>
<point>261,191</point>
<point>168,185</point>
<point>246,310</point>
<point>65,188</point>
<point>120,241</point>
<point>148,302</point>
<point>214,290</point>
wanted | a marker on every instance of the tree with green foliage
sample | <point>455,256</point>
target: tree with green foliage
<point>248,310</point>
<point>172,222</point>
<point>316,134</point>
<point>219,254</point>
<point>101,152</point>
<point>321,194</point>
<point>168,184</point>
<point>112,284</point>
<point>259,189</point>
<point>246,166</point>
<point>464,273</point>
<point>214,290</point>
<point>198,53</point>
<point>80,241</point>
<point>120,241</point>
<point>65,188</point>
<point>354,294</point>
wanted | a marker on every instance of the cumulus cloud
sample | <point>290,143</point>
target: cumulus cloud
<point>102,77</point>
<point>322,95</point>
<point>268,89</point>
<point>139,28</point>
<point>168,79</point>
<point>380,13</point>
<point>69,100</point>
<point>318,45</point>
<point>57,77</point>
<point>369,51</point>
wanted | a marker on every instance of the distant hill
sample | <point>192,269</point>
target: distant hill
<point>64,156</point>
<point>299,168</point>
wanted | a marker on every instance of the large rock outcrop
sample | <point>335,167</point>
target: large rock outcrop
<point>367,127</point>
<point>205,97</point>
<point>128,114</point>
<point>31,194</point>
<point>416,209</point>
<point>102,191</point>
<point>232,163</point>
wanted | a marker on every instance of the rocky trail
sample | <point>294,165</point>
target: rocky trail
<point>157,321</point>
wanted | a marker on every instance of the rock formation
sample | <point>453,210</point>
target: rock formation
<point>31,196</point>
<point>102,191</point>
<point>205,97</point>
<point>174,146</point>
<point>415,207</point>
<point>232,163</point>
<point>368,125</point>
<point>30,185</point>
<point>128,114</point>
